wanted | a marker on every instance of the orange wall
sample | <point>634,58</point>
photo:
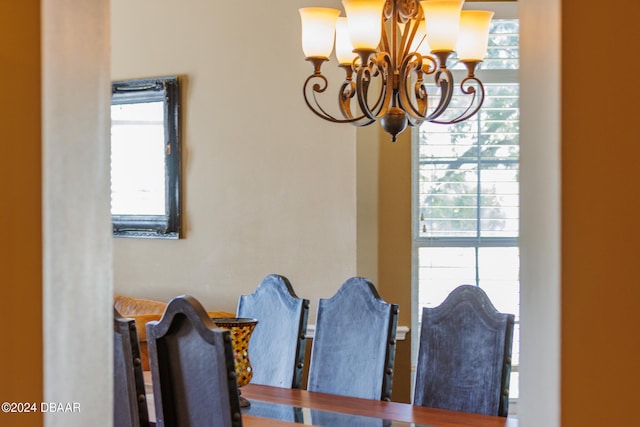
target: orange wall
<point>20,215</point>
<point>600,372</point>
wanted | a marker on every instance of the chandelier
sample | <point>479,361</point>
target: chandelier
<point>387,48</point>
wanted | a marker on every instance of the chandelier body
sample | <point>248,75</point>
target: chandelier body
<point>385,79</point>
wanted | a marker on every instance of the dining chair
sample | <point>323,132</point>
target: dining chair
<point>129,399</point>
<point>464,358</point>
<point>354,343</point>
<point>192,368</point>
<point>277,345</point>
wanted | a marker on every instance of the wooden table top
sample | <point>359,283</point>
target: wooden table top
<point>404,415</point>
<point>401,412</point>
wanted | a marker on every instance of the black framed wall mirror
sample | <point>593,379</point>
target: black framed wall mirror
<point>145,158</point>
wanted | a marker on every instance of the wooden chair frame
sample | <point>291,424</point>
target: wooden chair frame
<point>129,399</point>
<point>464,360</point>
<point>192,367</point>
<point>277,345</point>
<point>354,343</point>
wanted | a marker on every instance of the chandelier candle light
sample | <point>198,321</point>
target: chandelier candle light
<point>396,43</point>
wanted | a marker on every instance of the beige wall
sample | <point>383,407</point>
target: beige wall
<point>540,207</point>
<point>77,285</point>
<point>268,188</point>
<point>265,191</point>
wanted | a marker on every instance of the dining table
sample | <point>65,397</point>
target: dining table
<point>286,407</point>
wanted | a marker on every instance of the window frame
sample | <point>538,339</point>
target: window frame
<point>167,90</point>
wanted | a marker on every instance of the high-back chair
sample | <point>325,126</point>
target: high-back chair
<point>277,345</point>
<point>129,400</point>
<point>354,343</point>
<point>192,368</point>
<point>464,360</point>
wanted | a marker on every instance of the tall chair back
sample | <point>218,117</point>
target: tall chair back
<point>277,345</point>
<point>129,400</point>
<point>464,360</point>
<point>354,343</point>
<point>192,368</point>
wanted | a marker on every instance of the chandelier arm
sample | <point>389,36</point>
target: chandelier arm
<point>432,65</point>
<point>376,66</point>
<point>412,65</point>
<point>347,92</point>
<point>315,107</point>
<point>374,111</point>
<point>413,122</point>
<point>363,78</point>
<point>362,121</point>
<point>470,111</point>
<point>446,84</point>
<point>386,90</point>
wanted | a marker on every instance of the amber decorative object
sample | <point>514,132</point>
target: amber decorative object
<point>241,330</point>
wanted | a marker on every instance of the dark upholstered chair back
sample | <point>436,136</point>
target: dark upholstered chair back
<point>129,401</point>
<point>277,345</point>
<point>192,368</point>
<point>354,343</point>
<point>464,361</point>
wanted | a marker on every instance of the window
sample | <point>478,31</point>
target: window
<point>145,158</point>
<point>466,193</point>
